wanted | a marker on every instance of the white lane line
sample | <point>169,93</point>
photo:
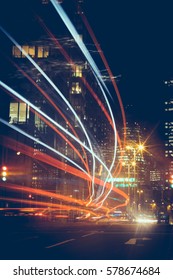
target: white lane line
<point>91,233</point>
<point>133,241</point>
<point>60,243</point>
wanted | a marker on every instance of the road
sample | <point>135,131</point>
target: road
<point>37,240</point>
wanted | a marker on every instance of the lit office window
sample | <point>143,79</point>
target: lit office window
<point>13,112</point>
<point>76,88</point>
<point>31,51</point>
<point>22,112</point>
<point>16,52</point>
<point>26,49</point>
<point>41,126</point>
<point>78,71</point>
<point>43,52</point>
<point>19,112</point>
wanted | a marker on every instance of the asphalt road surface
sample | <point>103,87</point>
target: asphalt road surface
<point>44,240</point>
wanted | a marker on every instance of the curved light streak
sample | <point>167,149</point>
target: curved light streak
<point>51,120</point>
<point>29,151</point>
<point>60,112</point>
<point>94,67</point>
<point>78,40</point>
<point>43,144</point>
<point>61,95</point>
<point>67,132</point>
<point>90,31</point>
<point>111,121</point>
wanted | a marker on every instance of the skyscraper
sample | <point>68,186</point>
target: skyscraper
<point>168,127</point>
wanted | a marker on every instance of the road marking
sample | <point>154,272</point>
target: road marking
<point>133,241</point>
<point>60,243</point>
<point>91,233</point>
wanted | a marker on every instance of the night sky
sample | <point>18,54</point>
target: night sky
<point>135,36</point>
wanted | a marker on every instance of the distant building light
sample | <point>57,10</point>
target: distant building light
<point>122,180</point>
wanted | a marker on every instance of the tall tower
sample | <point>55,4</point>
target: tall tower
<point>168,128</point>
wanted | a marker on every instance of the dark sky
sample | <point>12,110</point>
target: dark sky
<point>135,36</point>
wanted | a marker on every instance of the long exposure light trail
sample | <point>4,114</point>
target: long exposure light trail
<point>55,151</point>
<point>100,52</point>
<point>111,120</point>
<point>44,145</point>
<point>96,72</point>
<point>49,205</point>
<point>60,94</point>
<point>47,194</point>
<point>105,188</point>
<point>40,112</point>
<point>78,40</point>
<point>15,145</point>
<point>61,113</point>
<point>72,64</point>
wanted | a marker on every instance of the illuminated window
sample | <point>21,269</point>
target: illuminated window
<point>31,51</point>
<point>13,112</point>
<point>76,88</point>
<point>16,52</point>
<point>43,52</point>
<point>19,112</point>
<point>41,126</point>
<point>26,49</point>
<point>78,71</point>
<point>22,112</point>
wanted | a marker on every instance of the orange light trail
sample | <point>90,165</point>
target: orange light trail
<point>43,193</point>
<point>94,95</point>
<point>12,144</point>
<point>60,112</point>
<point>49,205</point>
<point>90,31</point>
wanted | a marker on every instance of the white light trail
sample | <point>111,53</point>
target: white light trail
<point>78,40</point>
<point>61,95</point>
<point>96,72</point>
<point>43,144</point>
<point>52,121</point>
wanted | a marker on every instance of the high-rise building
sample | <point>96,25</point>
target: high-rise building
<point>71,79</point>
<point>168,128</point>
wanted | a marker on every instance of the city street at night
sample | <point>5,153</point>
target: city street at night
<point>86,132</point>
<point>86,241</point>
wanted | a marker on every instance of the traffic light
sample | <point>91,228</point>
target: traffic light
<point>4,173</point>
<point>171,181</point>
